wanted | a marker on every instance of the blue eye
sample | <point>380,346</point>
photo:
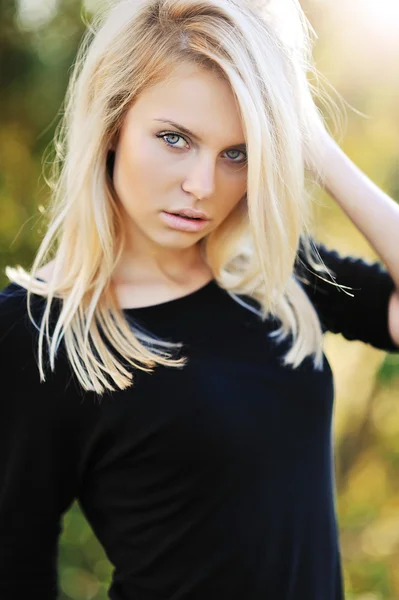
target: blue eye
<point>239,152</point>
<point>172,134</point>
<point>163,136</point>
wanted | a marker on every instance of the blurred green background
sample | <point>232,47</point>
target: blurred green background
<point>358,52</point>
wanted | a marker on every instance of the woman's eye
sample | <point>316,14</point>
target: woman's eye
<point>242,161</point>
<point>164,137</point>
<point>173,144</point>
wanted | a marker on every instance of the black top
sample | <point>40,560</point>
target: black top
<point>208,482</point>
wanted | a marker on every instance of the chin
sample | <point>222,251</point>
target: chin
<point>175,240</point>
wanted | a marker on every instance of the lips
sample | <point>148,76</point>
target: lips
<point>187,216</point>
<point>190,213</point>
<point>183,223</point>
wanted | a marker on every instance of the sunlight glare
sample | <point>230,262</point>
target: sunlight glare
<point>32,14</point>
<point>384,14</point>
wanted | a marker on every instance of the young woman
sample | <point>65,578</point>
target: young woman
<point>164,352</point>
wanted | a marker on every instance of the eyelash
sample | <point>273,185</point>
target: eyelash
<point>173,133</point>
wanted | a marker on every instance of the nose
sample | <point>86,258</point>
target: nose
<point>200,182</point>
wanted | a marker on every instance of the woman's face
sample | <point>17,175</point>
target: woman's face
<point>159,168</point>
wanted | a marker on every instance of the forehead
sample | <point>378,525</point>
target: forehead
<point>197,98</point>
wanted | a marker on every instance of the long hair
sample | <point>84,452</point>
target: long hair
<point>129,47</point>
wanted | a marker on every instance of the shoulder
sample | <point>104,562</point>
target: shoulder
<point>19,340</point>
<point>14,299</point>
<point>15,323</point>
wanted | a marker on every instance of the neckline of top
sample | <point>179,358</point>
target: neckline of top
<point>174,302</point>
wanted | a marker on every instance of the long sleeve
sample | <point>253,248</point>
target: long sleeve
<point>41,430</point>
<point>362,315</point>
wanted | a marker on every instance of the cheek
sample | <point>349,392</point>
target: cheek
<point>234,193</point>
<point>134,169</point>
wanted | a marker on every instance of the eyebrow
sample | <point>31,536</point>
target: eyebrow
<point>197,137</point>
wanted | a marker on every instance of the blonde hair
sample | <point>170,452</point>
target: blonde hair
<point>128,48</point>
